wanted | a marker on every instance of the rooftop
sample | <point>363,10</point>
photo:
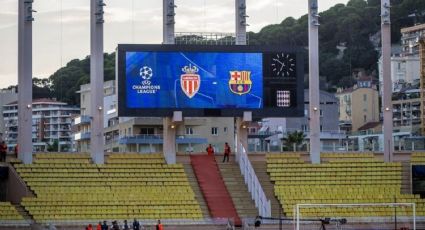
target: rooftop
<point>369,125</point>
<point>42,101</point>
<point>413,28</point>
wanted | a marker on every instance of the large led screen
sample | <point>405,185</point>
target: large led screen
<point>194,80</point>
<point>155,80</point>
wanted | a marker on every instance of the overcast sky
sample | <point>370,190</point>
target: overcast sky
<point>61,27</point>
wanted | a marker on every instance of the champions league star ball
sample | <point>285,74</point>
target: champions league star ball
<point>146,72</point>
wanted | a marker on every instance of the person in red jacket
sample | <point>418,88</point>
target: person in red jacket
<point>89,227</point>
<point>210,150</point>
<point>226,152</point>
<point>99,226</point>
<point>159,226</point>
<point>3,151</point>
<point>15,150</point>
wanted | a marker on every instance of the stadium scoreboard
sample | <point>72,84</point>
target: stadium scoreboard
<point>211,81</point>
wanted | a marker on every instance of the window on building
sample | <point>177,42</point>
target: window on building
<point>252,130</point>
<point>214,131</point>
<point>305,112</point>
<point>321,113</point>
<point>225,130</point>
<point>321,128</point>
<point>189,131</point>
<point>304,128</point>
<point>364,118</point>
<point>364,97</point>
<point>147,131</point>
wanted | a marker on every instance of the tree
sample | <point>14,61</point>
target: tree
<point>41,88</point>
<point>296,137</point>
<point>54,147</point>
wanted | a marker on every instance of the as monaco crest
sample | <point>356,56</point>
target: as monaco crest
<point>190,81</point>
<point>240,82</point>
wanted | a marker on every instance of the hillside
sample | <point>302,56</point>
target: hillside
<point>351,27</point>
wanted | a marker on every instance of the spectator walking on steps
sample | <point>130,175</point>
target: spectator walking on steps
<point>159,226</point>
<point>210,150</point>
<point>3,151</point>
<point>226,152</point>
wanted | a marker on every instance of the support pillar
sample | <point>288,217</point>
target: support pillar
<point>240,8</point>
<point>96,81</point>
<point>168,21</point>
<point>314,93</point>
<point>242,131</point>
<point>387,84</point>
<point>169,139</point>
<point>25,20</point>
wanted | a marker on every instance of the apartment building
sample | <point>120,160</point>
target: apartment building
<point>6,96</point>
<point>358,105</point>
<point>51,124</point>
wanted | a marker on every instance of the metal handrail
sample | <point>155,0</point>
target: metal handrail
<point>257,193</point>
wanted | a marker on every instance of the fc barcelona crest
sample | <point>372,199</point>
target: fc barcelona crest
<point>240,82</point>
<point>190,81</point>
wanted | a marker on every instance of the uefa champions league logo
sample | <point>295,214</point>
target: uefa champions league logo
<point>146,72</point>
<point>146,87</point>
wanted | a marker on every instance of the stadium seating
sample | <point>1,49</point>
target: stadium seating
<point>418,158</point>
<point>69,187</point>
<point>343,179</point>
<point>9,213</point>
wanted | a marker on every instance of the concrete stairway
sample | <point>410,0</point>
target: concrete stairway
<point>195,187</point>
<point>260,168</point>
<point>236,186</point>
<point>24,213</point>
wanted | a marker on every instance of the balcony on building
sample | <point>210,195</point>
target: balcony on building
<point>82,136</point>
<point>141,139</point>
<point>158,139</point>
<point>81,120</point>
<point>190,139</point>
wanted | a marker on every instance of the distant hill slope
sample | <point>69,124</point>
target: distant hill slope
<point>354,26</point>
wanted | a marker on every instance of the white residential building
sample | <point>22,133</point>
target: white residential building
<point>51,122</point>
<point>405,70</point>
<point>6,96</point>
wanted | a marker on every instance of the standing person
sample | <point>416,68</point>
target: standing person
<point>115,225</point>
<point>99,226</point>
<point>159,226</point>
<point>89,227</point>
<point>3,151</point>
<point>136,224</point>
<point>226,152</point>
<point>125,226</point>
<point>210,150</point>
<point>105,225</point>
<point>15,150</point>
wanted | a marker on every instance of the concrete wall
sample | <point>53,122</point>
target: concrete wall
<point>16,187</point>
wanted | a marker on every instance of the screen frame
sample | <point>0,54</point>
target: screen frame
<point>124,111</point>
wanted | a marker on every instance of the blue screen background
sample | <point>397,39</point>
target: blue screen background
<point>214,70</point>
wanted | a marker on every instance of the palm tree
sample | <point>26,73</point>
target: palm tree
<point>296,137</point>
